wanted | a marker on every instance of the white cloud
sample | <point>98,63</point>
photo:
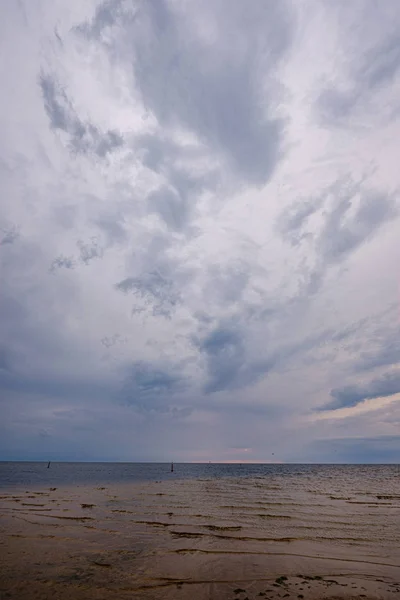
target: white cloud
<point>198,222</point>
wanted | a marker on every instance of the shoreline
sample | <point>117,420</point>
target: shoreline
<point>230,539</point>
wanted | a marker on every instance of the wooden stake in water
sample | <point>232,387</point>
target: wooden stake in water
<point>48,466</point>
<point>172,467</point>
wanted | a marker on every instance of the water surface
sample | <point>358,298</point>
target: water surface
<point>103,530</point>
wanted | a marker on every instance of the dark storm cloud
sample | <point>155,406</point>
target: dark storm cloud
<point>8,235</point>
<point>229,364</point>
<point>343,232</point>
<point>150,388</point>
<point>351,395</point>
<point>156,290</point>
<point>225,354</point>
<point>83,137</point>
<point>109,341</point>
<point>214,93</point>
<point>62,262</point>
<point>89,251</point>
<point>226,359</point>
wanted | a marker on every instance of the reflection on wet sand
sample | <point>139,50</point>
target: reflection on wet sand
<point>299,537</point>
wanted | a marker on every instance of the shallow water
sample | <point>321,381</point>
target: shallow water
<point>110,531</point>
<point>36,473</point>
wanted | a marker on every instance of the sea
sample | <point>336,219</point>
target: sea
<point>203,531</point>
<point>65,473</point>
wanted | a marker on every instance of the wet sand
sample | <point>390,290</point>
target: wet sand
<point>202,539</point>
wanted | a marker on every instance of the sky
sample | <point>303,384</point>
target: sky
<point>200,230</point>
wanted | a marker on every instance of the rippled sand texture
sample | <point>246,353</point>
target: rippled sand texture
<point>273,537</point>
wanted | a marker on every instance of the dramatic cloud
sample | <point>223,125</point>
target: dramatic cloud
<point>148,388</point>
<point>199,225</point>
<point>351,395</point>
<point>9,235</point>
<point>83,137</point>
<point>154,290</point>
<point>221,96</point>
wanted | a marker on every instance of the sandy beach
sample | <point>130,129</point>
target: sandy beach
<point>201,539</point>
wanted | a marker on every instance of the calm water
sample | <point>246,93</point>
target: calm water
<point>16,474</point>
<point>110,530</point>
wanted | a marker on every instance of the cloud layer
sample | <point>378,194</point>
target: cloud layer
<point>199,227</point>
